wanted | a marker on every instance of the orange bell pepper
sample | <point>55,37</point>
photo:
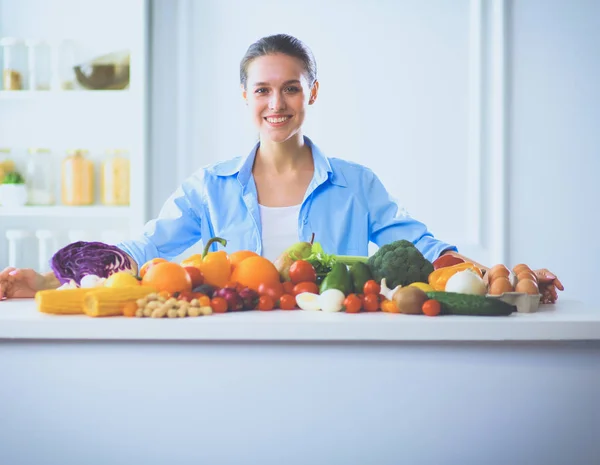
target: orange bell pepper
<point>215,266</point>
<point>440,277</point>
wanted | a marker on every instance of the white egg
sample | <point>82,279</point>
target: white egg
<point>308,301</point>
<point>332,300</point>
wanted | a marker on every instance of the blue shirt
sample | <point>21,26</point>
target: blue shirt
<point>345,205</point>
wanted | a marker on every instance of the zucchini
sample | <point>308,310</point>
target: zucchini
<point>471,305</point>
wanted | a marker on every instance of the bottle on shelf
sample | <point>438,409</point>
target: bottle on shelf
<point>77,183</point>
<point>40,177</point>
<point>39,59</point>
<point>114,189</point>
<point>47,246</point>
<point>17,246</point>
<point>15,64</point>
<point>67,57</point>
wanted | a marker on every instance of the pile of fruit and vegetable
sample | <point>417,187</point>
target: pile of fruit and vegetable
<point>100,280</point>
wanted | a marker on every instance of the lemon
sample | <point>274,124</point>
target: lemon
<point>423,286</point>
<point>121,279</point>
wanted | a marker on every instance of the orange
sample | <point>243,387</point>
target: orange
<point>168,277</point>
<point>254,271</point>
<point>237,257</point>
<point>149,264</point>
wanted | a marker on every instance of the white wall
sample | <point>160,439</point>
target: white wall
<point>400,86</point>
<point>554,139</point>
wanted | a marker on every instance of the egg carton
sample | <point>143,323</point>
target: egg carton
<point>525,303</point>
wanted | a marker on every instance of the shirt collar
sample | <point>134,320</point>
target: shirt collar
<point>243,167</point>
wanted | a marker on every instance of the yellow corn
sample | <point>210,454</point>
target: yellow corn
<point>61,302</point>
<point>110,301</point>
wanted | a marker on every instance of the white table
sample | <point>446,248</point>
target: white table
<point>300,388</point>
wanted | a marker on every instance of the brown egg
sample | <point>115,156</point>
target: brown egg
<point>520,267</point>
<point>524,274</point>
<point>500,285</point>
<point>527,286</point>
<point>498,270</point>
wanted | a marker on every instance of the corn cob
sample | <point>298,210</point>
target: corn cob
<point>61,302</point>
<point>110,301</point>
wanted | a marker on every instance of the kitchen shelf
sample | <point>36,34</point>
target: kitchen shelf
<point>64,95</point>
<point>64,211</point>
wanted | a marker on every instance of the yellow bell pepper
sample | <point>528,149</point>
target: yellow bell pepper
<point>440,277</point>
<point>215,266</point>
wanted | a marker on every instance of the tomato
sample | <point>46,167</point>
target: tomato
<point>265,302</point>
<point>432,308</point>
<point>352,303</point>
<point>275,291</point>
<point>288,288</point>
<point>371,302</point>
<point>305,287</point>
<point>302,271</point>
<point>187,296</point>
<point>195,275</point>
<point>287,302</point>
<point>219,305</point>
<point>371,287</point>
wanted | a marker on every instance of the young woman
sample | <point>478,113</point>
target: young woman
<point>282,192</point>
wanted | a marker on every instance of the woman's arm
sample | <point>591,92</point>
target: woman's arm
<point>452,253</point>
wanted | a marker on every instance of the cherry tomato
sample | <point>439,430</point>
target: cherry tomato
<point>432,308</point>
<point>371,287</point>
<point>274,291</point>
<point>302,271</point>
<point>265,302</point>
<point>288,288</point>
<point>305,287</point>
<point>219,305</point>
<point>187,296</point>
<point>204,301</point>
<point>371,302</point>
<point>287,302</point>
<point>352,303</point>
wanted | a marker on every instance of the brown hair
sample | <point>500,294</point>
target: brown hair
<point>279,43</point>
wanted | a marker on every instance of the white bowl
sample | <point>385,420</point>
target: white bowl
<point>13,195</point>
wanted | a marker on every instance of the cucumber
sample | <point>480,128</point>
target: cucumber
<point>472,305</point>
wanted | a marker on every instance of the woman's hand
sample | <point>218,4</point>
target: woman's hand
<point>20,283</point>
<point>548,284</point>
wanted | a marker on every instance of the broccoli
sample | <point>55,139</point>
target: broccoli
<point>400,263</point>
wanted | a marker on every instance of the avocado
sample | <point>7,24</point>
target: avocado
<point>361,273</point>
<point>338,278</point>
<point>472,305</point>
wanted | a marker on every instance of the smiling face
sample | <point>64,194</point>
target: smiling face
<point>277,94</point>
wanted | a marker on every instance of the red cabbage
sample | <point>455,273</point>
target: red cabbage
<point>81,258</point>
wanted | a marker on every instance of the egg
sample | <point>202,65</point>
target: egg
<point>527,286</point>
<point>498,270</point>
<point>521,267</point>
<point>525,274</point>
<point>500,285</point>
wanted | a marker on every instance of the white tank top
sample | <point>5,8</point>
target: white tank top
<point>279,229</point>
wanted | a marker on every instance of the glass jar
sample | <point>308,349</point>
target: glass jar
<point>67,60</point>
<point>14,66</point>
<point>40,177</point>
<point>7,164</point>
<point>114,189</point>
<point>77,172</point>
<point>39,59</point>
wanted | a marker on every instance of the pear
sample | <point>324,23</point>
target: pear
<point>297,251</point>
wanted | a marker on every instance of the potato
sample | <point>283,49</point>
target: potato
<point>410,300</point>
